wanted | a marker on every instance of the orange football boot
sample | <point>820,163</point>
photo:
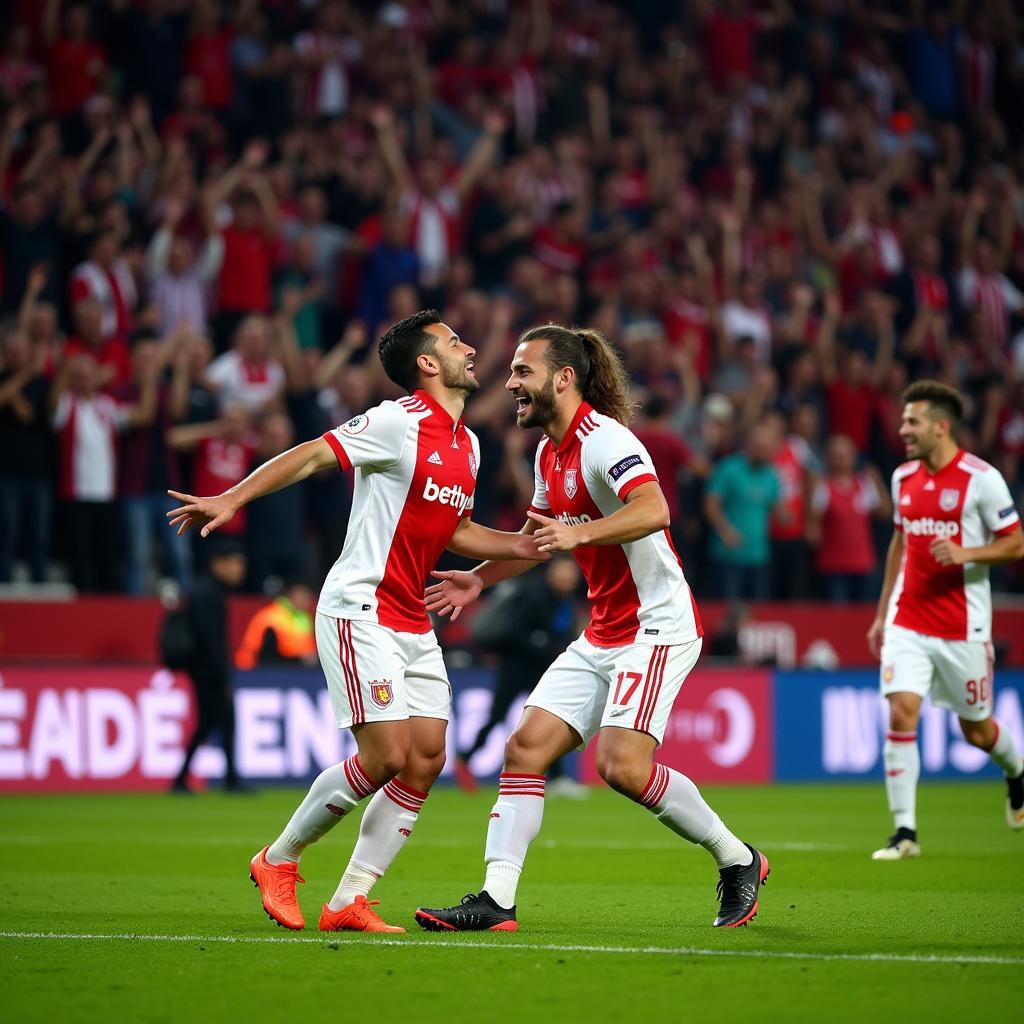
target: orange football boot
<point>358,916</point>
<point>276,883</point>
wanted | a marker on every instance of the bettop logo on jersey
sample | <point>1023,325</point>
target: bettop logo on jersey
<point>356,425</point>
<point>624,466</point>
<point>381,692</point>
<point>949,499</point>
<point>574,520</point>
<point>569,483</point>
<point>929,527</point>
<point>454,496</point>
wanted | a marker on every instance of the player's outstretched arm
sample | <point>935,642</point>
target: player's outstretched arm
<point>285,469</point>
<point>458,588</point>
<point>644,512</point>
<point>893,558</point>
<point>471,540</point>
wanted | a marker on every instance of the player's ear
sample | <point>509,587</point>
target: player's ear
<point>427,365</point>
<point>564,378</point>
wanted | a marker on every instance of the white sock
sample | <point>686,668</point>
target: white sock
<point>387,823</point>
<point>677,804</point>
<point>334,793</point>
<point>902,770</point>
<point>1004,752</point>
<point>514,823</point>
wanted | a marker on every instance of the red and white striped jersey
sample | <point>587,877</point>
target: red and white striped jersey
<point>637,590</point>
<point>415,473</point>
<point>968,502</point>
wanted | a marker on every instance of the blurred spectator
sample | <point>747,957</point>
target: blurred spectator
<point>106,279</point>
<point>740,498</point>
<point>275,537</point>
<point>111,354</point>
<point>247,375</point>
<point>223,452</point>
<point>791,570</point>
<point>282,632</point>
<point>26,475</point>
<point>147,466</point>
<point>87,424</point>
<point>179,280</point>
<point>839,525</point>
<point>28,238</point>
<point>77,62</point>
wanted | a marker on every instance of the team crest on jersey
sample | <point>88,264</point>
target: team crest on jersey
<point>569,483</point>
<point>356,425</point>
<point>949,499</point>
<point>381,692</point>
<point>472,464</point>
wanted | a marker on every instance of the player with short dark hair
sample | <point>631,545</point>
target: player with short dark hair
<point>597,495</point>
<point>953,518</point>
<point>415,467</point>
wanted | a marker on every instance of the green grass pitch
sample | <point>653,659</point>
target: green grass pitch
<point>614,912</point>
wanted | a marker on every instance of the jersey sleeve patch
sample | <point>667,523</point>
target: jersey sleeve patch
<point>1005,513</point>
<point>624,465</point>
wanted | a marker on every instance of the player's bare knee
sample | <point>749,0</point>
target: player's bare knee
<point>904,711</point>
<point>521,755</point>
<point>624,775</point>
<point>422,768</point>
<point>383,763</point>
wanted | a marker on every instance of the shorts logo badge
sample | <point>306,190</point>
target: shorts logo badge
<point>949,499</point>
<point>472,464</point>
<point>569,483</point>
<point>887,673</point>
<point>381,692</point>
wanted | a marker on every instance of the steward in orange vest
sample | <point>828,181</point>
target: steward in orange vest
<point>280,633</point>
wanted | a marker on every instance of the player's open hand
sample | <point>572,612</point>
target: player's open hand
<point>554,535</point>
<point>456,589</point>
<point>947,552</point>
<point>208,513</point>
<point>525,545</point>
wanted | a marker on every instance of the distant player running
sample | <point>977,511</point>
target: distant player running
<point>597,495</point>
<point>415,472</point>
<point>953,517</point>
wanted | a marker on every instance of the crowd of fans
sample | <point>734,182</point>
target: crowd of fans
<point>781,213</point>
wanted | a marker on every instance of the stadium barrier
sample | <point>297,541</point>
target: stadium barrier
<point>92,728</point>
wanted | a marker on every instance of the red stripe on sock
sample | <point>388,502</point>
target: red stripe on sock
<point>415,794</point>
<point>656,786</point>
<point>902,737</point>
<point>519,775</point>
<point>396,797</point>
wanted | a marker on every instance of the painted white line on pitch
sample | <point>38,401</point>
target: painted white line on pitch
<point>769,954</point>
<point>550,844</point>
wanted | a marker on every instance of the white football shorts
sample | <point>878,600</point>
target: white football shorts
<point>956,674</point>
<point>630,687</point>
<point>375,674</point>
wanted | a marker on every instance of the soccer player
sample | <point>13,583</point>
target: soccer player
<point>415,467</point>
<point>596,495</point>
<point>953,517</point>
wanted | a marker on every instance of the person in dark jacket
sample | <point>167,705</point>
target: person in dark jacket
<point>527,624</point>
<point>210,670</point>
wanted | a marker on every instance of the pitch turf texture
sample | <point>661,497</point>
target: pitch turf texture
<point>139,908</point>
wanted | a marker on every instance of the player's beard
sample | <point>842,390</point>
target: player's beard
<point>541,410</point>
<point>455,376</point>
